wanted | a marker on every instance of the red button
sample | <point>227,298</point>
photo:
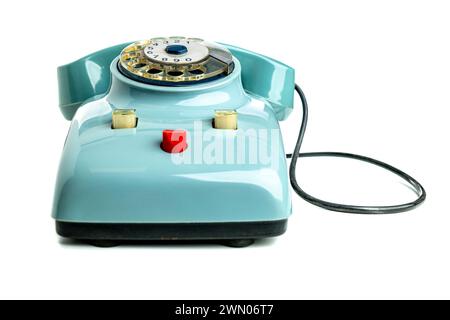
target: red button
<point>174,141</point>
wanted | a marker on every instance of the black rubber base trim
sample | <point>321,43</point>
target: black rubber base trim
<point>171,231</point>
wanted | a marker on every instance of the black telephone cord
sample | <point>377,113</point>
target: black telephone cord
<point>419,190</point>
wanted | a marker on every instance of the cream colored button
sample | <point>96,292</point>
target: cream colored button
<point>225,119</point>
<point>124,119</point>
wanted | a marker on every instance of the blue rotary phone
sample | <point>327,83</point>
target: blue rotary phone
<point>178,139</point>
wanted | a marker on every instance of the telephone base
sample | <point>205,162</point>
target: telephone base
<point>236,233</point>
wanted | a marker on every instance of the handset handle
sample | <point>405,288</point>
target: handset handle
<point>267,78</point>
<point>90,78</point>
<point>85,79</point>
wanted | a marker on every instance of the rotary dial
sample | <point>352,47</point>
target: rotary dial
<point>175,60</point>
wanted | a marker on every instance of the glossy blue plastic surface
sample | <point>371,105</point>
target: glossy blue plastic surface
<point>122,175</point>
<point>267,78</point>
<point>89,77</point>
<point>84,79</point>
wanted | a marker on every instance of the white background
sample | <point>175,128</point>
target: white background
<point>377,75</point>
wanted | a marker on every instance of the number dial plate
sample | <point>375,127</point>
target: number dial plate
<point>196,52</point>
<point>148,61</point>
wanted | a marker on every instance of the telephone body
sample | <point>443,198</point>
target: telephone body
<point>120,184</point>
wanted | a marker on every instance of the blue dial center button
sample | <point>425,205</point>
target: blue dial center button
<point>176,49</point>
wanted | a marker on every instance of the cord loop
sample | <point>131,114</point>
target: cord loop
<point>419,190</point>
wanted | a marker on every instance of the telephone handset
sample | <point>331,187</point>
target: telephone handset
<point>148,100</point>
<point>90,77</point>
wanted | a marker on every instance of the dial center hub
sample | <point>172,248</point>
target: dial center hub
<point>176,49</point>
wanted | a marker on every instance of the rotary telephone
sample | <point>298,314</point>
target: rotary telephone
<point>165,144</point>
